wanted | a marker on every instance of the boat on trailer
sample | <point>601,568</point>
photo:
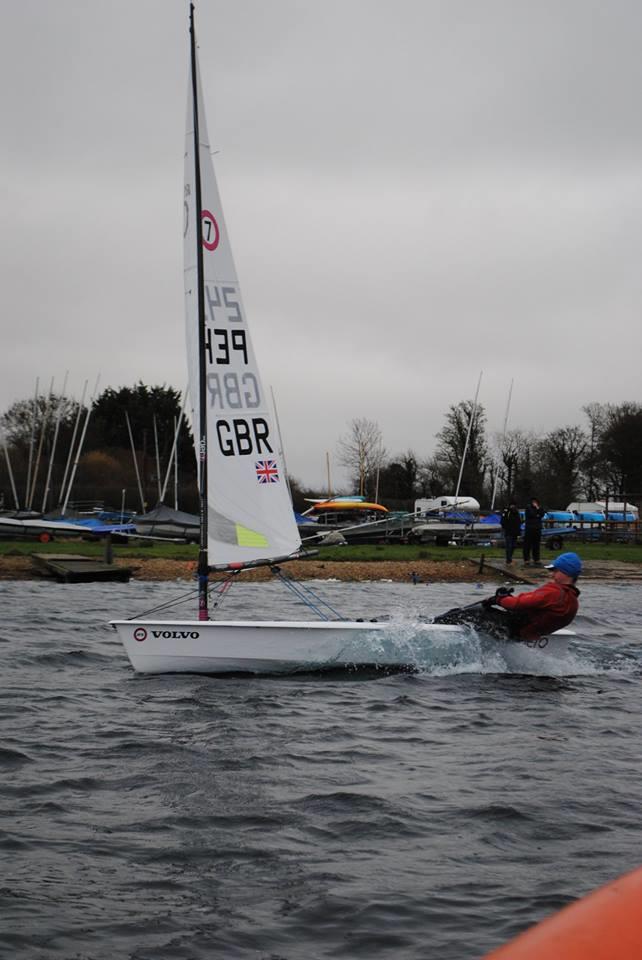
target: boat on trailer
<point>245,510</point>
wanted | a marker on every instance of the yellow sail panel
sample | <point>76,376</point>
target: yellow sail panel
<point>249,538</point>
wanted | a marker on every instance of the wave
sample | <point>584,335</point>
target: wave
<point>13,758</point>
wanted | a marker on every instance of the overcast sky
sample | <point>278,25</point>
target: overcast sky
<point>415,191</point>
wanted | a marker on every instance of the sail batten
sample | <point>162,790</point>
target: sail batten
<point>249,512</point>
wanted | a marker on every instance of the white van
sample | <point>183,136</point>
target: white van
<point>440,505</point>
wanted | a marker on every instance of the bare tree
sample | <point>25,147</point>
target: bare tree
<point>597,416</point>
<point>433,477</point>
<point>451,443</point>
<point>560,459</point>
<point>18,422</point>
<point>362,452</point>
<point>621,448</point>
<point>513,464</point>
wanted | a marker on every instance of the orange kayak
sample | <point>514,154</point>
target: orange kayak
<point>603,925</point>
<point>349,505</point>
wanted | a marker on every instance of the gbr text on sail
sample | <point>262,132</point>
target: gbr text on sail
<point>233,386</point>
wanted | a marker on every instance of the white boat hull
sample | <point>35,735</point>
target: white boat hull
<point>535,656</point>
<point>276,646</point>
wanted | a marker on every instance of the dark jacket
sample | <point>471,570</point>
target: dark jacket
<point>544,610</point>
<point>533,517</point>
<point>511,522</point>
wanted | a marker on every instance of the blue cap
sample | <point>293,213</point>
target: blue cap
<point>568,563</point>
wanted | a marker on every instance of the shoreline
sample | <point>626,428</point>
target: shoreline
<point>399,571</point>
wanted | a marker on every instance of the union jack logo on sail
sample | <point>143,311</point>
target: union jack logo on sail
<point>267,471</point>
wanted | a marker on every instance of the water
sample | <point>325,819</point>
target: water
<point>431,815</point>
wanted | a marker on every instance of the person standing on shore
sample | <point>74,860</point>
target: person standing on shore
<point>511,523</point>
<point>533,515</point>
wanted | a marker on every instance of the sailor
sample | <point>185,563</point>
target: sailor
<point>548,608</point>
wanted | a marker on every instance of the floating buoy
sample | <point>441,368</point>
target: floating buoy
<point>603,925</point>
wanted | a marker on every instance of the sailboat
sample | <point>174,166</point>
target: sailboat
<point>245,514</point>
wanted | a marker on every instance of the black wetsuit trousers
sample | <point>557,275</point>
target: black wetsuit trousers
<point>532,540</point>
<point>510,542</point>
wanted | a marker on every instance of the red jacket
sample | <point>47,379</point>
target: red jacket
<point>544,610</point>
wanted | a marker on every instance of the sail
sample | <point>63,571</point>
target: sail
<point>250,514</point>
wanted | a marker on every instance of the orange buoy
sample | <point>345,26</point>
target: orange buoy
<point>44,537</point>
<point>603,925</point>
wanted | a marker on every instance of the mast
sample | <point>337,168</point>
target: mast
<point>140,486</point>
<point>173,459</point>
<point>45,418</point>
<point>158,476</point>
<point>63,485</point>
<point>203,561</point>
<point>281,449</point>
<point>473,414</point>
<point>52,456</point>
<point>10,471</point>
<point>176,427</point>
<point>31,442</point>
<point>80,445</point>
<point>492,502</point>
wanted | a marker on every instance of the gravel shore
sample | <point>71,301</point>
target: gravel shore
<point>399,571</point>
<point>21,568</point>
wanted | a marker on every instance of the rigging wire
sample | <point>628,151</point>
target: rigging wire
<point>304,594</point>
<point>221,587</point>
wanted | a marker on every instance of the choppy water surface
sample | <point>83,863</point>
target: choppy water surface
<point>432,815</point>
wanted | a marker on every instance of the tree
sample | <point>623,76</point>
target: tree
<point>513,466</point>
<point>97,466</point>
<point>362,452</point>
<point>561,457</point>
<point>23,420</point>
<point>153,413</point>
<point>31,443</point>
<point>299,493</point>
<point>451,443</point>
<point>398,481</point>
<point>594,466</point>
<point>621,448</point>
<point>432,478</point>
<point>31,429</point>
<point>143,405</point>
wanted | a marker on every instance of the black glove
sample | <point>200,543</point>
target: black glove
<point>491,601</point>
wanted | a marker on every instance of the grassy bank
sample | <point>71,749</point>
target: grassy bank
<point>626,553</point>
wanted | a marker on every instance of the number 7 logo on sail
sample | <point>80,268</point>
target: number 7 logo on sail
<point>209,230</point>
